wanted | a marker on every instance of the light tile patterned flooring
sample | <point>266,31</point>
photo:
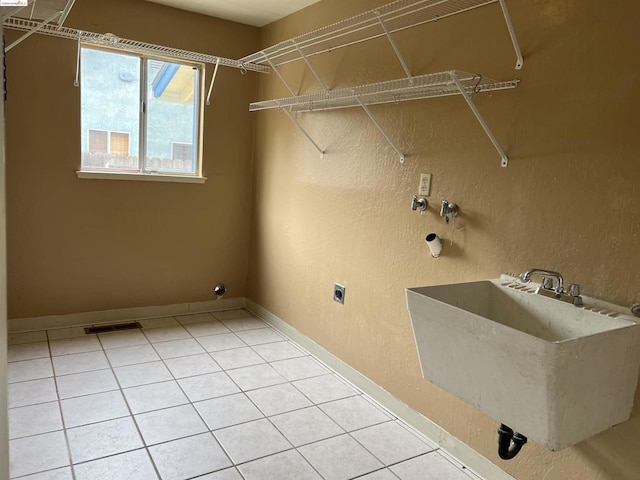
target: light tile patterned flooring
<point>214,396</point>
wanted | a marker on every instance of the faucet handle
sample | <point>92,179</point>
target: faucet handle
<point>574,290</point>
<point>547,283</point>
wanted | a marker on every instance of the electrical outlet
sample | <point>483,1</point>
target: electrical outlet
<point>424,189</point>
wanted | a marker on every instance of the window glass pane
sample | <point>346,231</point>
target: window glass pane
<point>110,102</point>
<point>98,141</point>
<point>172,117</point>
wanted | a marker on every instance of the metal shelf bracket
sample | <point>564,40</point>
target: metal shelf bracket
<point>476,112</point>
<point>393,45</point>
<point>304,132</point>
<point>379,127</point>
<point>512,34</point>
<point>34,29</point>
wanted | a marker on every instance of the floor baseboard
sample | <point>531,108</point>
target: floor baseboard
<point>123,314</point>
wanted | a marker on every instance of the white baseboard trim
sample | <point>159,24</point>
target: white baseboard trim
<point>472,459</point>
<point>120,315</point>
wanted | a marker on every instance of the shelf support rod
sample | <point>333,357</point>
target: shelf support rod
<point>394,46</point>
<point>304,132</point>
<point>35,29</point>
<point>213,80</point>
<point>76,82</point>
<point>379,127</point>
<point>275,69</point>
<point>476,112</point>
<point>512,33</point>
<point>313,70</point>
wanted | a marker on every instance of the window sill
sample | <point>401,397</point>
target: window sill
<point>141,177</point>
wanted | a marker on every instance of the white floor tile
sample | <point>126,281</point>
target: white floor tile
<point>29,370</point>
<point>431,466</point>
<point>125,338</point>
<point>67,346</point>
<point>252,440</point>
<point>79,362</point>
<point>391,443</point>
<point>195,318</point>
<point>257,376</point>
<point>240,324</point>
<point>126,466</point>
<point>146,398</point>
<point>158,322</point>
<point>324,388</point>
<point>32,392</point>
<point>142,374</point>
<point>354,413</point>
<point>212,327</point>
<point>340,458</point>
<point>103,439</point>
<point>273,352</point>
<point>27,351</point>
<point>37,454</point>
<point>289,465</point>
<point>189,457</point>
<point>278,399</point>
<point>57,474</point>
<point>170,424</point>
<point>223,341</point>
<point>63,333</point>
<point>210,385</point>
<point>166,334</point>
<point>120,357</point>
<point>306,426</point>
<point>93,408</point>
<point>178,348</point>
<point>232,389</point>
<point>237,358</point>
<point>86,383</point>
<point>192,365</point>
<point>299,368</point>
<point>229,314</point>
<point>260,336</point>
<point>384,474</point>
<point>34,419</point>
<point>226,474</point>
<point>26,337</point>
<point>226,411</point>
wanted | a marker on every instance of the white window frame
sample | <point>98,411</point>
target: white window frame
<point>144,173</point>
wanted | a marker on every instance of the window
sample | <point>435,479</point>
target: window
<point>139,114</point>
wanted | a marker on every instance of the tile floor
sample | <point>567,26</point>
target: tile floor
<point>213,396</point>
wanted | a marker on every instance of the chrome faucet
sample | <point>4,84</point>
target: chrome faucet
<point>547,289</point>
<point>526,277</point>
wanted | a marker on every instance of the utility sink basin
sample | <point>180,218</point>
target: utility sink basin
<point>549,370</point>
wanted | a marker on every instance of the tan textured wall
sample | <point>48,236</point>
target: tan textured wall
<point>88,245</point>
<point>568,201</point>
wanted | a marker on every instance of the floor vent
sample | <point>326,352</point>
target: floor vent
<point>112,328</point>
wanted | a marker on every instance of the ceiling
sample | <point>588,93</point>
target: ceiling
<point>251,12</point>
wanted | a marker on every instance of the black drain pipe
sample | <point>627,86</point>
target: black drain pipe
<point>509,442</point>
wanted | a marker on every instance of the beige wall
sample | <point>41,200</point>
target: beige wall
<point>568,201</point>
<point>89,245</point>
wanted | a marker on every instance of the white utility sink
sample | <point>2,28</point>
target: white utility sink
<point>549,370</point>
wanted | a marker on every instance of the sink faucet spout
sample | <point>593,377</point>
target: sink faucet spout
<point>526,277</point>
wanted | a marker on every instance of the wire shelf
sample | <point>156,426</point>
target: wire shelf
<point>398,15</point>
<point>126,44</point>
<point>419,87</point>
<point>54,11</point>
